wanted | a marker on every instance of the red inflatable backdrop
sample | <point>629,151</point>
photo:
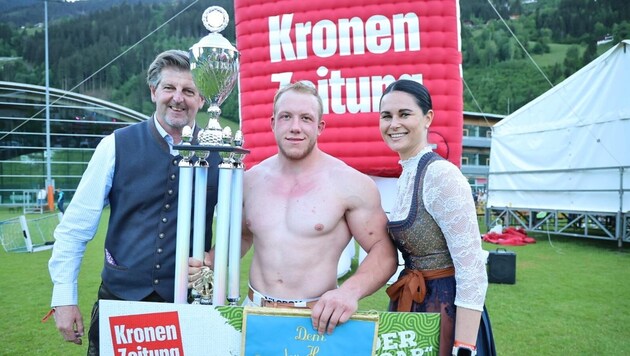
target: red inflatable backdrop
<point>350,51</point>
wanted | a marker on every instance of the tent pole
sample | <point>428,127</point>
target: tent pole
<point>618,229</point>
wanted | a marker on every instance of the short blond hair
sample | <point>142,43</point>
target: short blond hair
<point>304,88</point>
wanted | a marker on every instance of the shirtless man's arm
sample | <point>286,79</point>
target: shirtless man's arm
<point>368,224</point>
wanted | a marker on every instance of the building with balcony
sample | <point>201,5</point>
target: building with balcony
<point>476,147</point>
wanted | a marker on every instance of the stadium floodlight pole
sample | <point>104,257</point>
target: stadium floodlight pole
<point>50,189</point>
<point>49,182</point>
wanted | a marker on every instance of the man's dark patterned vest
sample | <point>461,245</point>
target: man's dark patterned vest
<point>141,236</point>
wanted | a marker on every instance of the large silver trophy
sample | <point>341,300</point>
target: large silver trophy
<point>214,66</point>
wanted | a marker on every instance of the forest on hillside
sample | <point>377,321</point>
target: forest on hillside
<point>104,52</point>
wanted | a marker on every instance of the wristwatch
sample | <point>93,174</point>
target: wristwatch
<point>462,350</point>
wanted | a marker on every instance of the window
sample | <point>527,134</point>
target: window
<point>484,157</point>
<point>485,131</point>
<point>471,130</point>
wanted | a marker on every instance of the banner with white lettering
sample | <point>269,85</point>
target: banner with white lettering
<point>142,329</point>
<point>350,50</point>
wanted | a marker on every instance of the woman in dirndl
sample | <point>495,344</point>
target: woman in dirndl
<point>434,225</point>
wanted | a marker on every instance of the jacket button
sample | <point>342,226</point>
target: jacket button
<point>167,206</point>
<point>161,235</point>
<point>172,177</point>
<point>159,250</point>
<point>164,220</point>
<point>157,266</point>
<point>156,281</point>
<point>170,192</point>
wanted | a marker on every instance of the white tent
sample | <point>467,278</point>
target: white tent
<point>568,149</point>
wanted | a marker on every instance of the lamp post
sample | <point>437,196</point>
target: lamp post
<point>49,182</point>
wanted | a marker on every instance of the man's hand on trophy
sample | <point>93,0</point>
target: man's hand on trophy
<point>200,278</point>
<point>208,259</point>
<point>198,269</point>
<point>194,270</point>
<point>201,281</point>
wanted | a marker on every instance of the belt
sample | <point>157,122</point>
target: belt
<point>271,303</point>
<point>412,287</point>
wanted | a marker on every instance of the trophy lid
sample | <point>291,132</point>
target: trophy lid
<point>215,19</point>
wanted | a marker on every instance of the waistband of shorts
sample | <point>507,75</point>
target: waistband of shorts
<point>269,302</point>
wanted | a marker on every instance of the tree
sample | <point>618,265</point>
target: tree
<point>621,31</point>
<point>590,53</point>
<point>572,61</point>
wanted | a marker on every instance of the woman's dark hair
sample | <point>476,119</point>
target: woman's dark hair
<point>419,92</point>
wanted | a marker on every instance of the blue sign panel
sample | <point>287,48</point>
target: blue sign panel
<point>292,334</point>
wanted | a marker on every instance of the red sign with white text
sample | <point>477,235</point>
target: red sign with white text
<point>146,334</point>
<point>350,50</point>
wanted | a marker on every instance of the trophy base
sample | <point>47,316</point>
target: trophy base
<point>233,301</point>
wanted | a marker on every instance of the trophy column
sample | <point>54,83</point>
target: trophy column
<point>236,215</point>
<point>221,245</point>
<point>183,218</point>
<point>214,66</point>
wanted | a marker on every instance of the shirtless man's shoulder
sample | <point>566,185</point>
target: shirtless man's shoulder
<point>351,182</point>
<point>332,173</point>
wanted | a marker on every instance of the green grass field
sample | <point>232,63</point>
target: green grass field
<point>570,298</point>
<point>558,52</point>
